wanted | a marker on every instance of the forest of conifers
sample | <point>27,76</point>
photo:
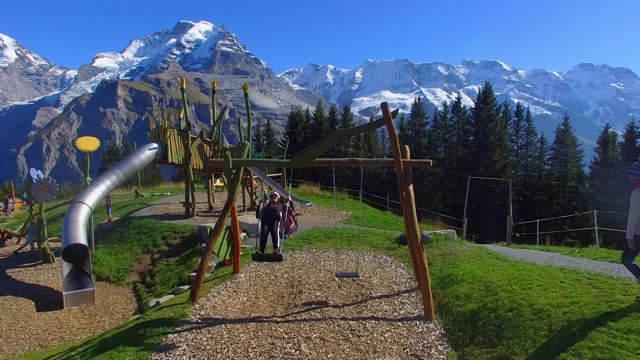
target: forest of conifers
<point>492,143</point>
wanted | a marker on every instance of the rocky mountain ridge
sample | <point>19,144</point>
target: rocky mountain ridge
<point>113,97</point>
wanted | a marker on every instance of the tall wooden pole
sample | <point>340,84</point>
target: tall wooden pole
<point>414,231</point>
<point>235,226</point>
<point>407,199</point>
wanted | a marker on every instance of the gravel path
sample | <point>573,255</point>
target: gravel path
<point>555,259</point>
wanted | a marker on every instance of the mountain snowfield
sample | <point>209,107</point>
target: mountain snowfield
<point>591,95</point>
<point>34,91</point>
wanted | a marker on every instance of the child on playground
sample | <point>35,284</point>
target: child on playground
<point>289,223</point>
<point>7,205</point>
<point>270,216</point>
<point>109,208</point>
<point>30,240</point>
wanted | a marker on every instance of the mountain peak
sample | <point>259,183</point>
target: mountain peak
<point>7,50</point>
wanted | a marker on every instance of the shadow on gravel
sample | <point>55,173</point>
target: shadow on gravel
<point>575,331</point>
<point>43,297</point>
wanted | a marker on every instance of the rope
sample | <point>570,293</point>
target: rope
<point>335,218</point>
<point>335,229</point>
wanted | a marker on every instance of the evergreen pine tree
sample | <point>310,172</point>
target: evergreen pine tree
<point>629,150</point>
<point>270,141</point>
<point>319,124</point>
<point>151,176</point>
<point>110,156</point>
<point>603,169</point>
<point>460,128</point>
<point>404,133</point>
<point>296,132</point>
<point>333,119</point>
<point>603,185</point>
<point>258,142</point>
<point>489,158</point>
<point>523,190</point>
<point>567,177</point>
<point>418,127</point>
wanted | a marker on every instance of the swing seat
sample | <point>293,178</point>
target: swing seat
<point>347,274</point>
<point>259,257</point>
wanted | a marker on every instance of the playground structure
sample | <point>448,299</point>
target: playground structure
<point>309,157</point>
<point>178,147</point>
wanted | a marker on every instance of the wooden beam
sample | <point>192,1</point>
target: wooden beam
<point>405,189</point>
<point>234,185</point>
<point>322,162</point>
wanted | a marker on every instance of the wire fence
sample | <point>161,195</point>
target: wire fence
<point>601,228</point>
<point>388,204</point>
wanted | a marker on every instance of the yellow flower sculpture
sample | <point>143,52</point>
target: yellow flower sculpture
<point>87,144</point>
<point>45,189</point>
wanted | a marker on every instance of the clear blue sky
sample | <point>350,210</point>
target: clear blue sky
<point>553,35</point>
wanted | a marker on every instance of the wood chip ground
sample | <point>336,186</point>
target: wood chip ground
<point>299,309</point>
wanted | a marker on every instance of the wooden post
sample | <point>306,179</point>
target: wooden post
<point>394,144</point>
<point>405,188</point>
<point>414,231</point>
<point>235,226</point>
<point>232,188</point>
<point>210,191</point>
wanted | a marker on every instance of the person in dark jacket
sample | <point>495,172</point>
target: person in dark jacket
<point>270,216</point>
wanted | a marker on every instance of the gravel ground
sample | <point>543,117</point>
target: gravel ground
<point>298,309</point>
<point>555,259</point>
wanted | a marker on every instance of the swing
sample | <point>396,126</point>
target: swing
<point>339,272</point>
<point>264,257</point>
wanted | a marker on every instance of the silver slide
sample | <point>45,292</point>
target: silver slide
<point>276,186</point>
<point>77,277</point>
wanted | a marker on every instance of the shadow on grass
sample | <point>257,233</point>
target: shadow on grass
<point>575,331</point>
<point>127,336</point>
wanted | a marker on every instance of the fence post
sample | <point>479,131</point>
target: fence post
<point>387,202</point>
<point>509,229</point>
<point>595,221</point>
<point>537,232</point>
<point>464,229</point>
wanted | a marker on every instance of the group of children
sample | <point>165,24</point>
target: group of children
<point>276,218</point>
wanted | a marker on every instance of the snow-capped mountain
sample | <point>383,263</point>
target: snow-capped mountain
<point>591,95</point>
<point>192,46</point>
<point>26,75</point>
<point>43,107</point>
<point>112,96</point>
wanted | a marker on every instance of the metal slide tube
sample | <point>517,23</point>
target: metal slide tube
<point>77,279</point>
<point>276,186</point>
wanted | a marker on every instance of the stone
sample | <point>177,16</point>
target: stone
<point>428,236</point>
<point>153,303</point>
<point>248,224</point>
<point>180,289</point>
